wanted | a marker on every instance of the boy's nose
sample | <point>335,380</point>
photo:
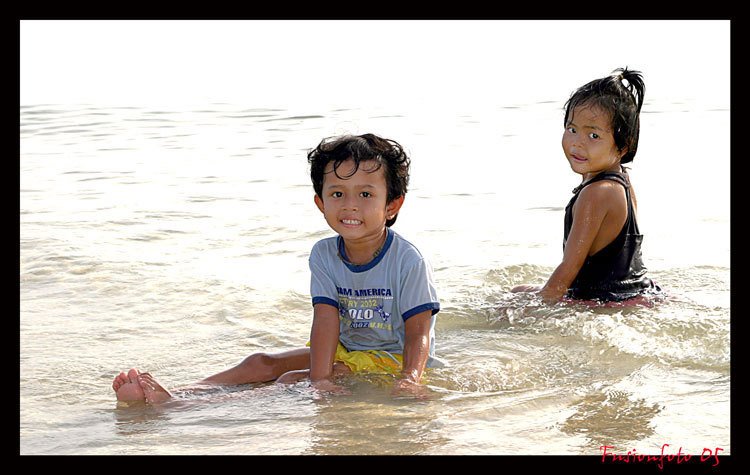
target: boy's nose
<point>351,204</point>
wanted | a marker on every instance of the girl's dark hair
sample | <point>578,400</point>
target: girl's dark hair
<point>621,95</point>
<point>360,148</point>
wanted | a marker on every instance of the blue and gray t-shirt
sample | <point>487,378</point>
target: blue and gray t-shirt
<point>375,299</point>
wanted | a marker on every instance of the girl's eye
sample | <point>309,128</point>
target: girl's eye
<point>572,130</point>
<point>365,194</point>
<point>337,194</point>
<point>594,135</point>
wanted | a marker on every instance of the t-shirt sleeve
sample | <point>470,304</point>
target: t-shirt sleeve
<point>418,292</point>
<point>322,286</point>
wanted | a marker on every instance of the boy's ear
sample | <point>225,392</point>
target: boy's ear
<point>393,207</point>
<point>319,203</point>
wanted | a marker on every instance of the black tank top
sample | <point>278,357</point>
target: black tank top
<point>616,272</point>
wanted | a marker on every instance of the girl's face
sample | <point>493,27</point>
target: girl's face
<point>356,207</point>
<point>588,142</point>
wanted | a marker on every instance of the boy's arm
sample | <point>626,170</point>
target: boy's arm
<point>324,338</point>
<point>590,210</point>
<point>416,347</point>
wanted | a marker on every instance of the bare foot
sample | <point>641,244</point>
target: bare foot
<point>127,387</point>
<point>154,393</point>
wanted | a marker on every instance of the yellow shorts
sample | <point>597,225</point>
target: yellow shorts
<point>369,361</point>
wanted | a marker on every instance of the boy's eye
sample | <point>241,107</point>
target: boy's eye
<point>594,135</point>
<point>572,129</point>
<point>366,194</point>
<point>337,194</point>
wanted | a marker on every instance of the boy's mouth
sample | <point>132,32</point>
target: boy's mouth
<point>351,222</point>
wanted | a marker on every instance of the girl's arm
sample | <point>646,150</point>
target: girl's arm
<point>589,212</point>
<point>324,338</point>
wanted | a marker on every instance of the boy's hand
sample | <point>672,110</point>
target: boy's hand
<point>328,386</point>
<point>408,387</point>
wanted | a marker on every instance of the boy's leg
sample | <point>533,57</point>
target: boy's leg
<point>256,368</point>
<point>127,387</point>
<point>136,386</point>
<point>291,377</point>
<point>340,368</point>
<point>262,367</point>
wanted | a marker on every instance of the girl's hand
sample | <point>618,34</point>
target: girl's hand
<point>551,296</point>
<point>526,288</point>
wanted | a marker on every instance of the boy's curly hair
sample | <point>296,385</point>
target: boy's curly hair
<point>360,148</point>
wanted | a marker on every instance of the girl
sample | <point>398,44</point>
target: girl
<point>602,243</point>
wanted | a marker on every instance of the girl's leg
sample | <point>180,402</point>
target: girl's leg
<point>262,367</point>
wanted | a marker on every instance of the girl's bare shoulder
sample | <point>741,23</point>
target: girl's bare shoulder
<point>602,193</point>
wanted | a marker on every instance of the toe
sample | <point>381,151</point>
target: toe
<point>133,375</point>
<point>119,380</point>
<point>145,382</point>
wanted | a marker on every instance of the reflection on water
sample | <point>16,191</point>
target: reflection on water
<point>139,418</point>
<point>370,421</point>
<point>611,417</point>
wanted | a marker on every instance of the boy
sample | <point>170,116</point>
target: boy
<point>374,301</point>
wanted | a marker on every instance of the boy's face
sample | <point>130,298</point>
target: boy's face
<point>357,207</point>
<point>588,142</point>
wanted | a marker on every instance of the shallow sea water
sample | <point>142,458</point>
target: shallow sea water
<point>176,240</point>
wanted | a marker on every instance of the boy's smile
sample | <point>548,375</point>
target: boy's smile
<point>356,206</point>
<point>588,142</point>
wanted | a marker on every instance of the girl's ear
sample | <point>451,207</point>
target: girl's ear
<point>393,207</point>
<point>319,203</point>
